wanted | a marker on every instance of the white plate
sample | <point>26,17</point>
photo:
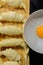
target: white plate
<point>34,42</point>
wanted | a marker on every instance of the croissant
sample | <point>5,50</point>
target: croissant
<point>11,54</point>
<point>12,42</point>
<point>12,16</point>
<point>11,30</point>
<point>10,63</point>
<point>15,3</point>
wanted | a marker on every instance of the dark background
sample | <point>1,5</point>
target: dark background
<point>35,58</point>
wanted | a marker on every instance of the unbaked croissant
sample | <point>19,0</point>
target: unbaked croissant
<point>10,63</point>
<point>12,42</point>
<point>11,54</point>
<point>11,30</point>
<point>12,16</point>
<point>15,3</point>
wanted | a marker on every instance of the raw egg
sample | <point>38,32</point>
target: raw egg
<point>39,31</point>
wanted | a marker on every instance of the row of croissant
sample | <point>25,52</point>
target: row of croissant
<point>11,54</point>
<point>12,17</point>
<point>10,30</point>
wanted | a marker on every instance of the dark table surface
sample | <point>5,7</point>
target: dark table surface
<point>35,58</point>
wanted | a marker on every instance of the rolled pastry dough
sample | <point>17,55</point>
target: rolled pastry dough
<point>11,30</point>
<point>11,54</point>
<point>12,16</point>
<point>14,3</point>
<point>12,42</point>
<point>10,63</point>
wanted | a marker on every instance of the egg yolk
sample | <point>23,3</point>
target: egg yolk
<point>39,31</point>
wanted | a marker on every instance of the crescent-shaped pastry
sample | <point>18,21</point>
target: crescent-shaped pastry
<point>11,30</point>
<point>12,16</point>
<point>12,42</point>
<point>10,63</point>
<point>11,54</point>
<point>14,3</point>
